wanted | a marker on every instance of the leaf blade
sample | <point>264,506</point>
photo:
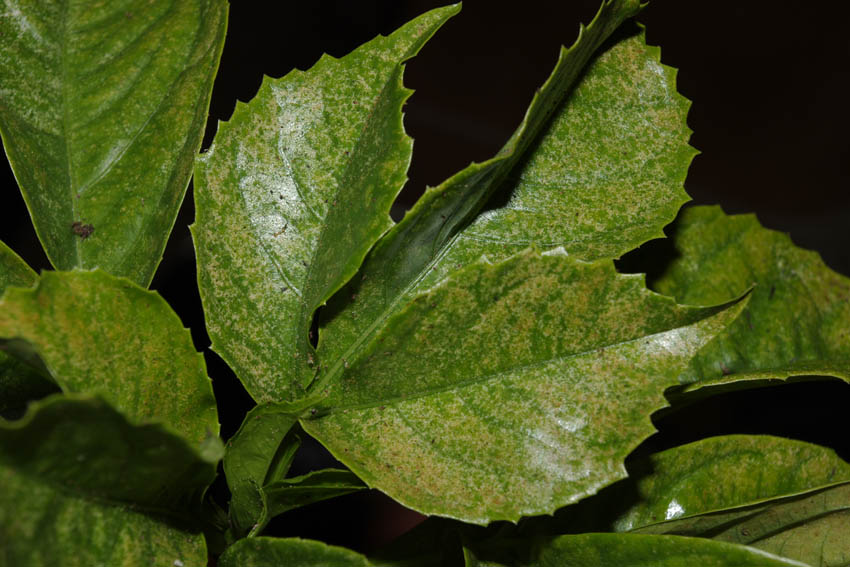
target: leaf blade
<point>517,416</point>
<point>570,189</point>
<point>147,367</point>
<point>797,321</point>
<point>291,196</point>
<point>84,486</point>
<point>103,110</point>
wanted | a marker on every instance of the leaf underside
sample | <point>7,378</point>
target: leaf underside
<point>102,111</point>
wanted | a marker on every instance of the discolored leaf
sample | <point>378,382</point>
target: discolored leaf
<point>727,471</point>
<point>84,486</point>
<point>102,111</point>
<point>13,270</point>
<point>810,527</point>
<point>510,389</point>
<point>798,321</point>
<point>295,190</point>
<point>596,167</point>
<point>263,551</point>
<point>19,383</point>
<point>145,366</point>
<point>632,550</point>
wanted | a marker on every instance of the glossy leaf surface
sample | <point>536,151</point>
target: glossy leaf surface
<point>630,550</point>
<point>146,366</point>
<point>295,190</point>
<point>813,527</point>
<point>511,389</point>
<point>77,477</point>
<point>798,321</point>
<point>596,168</point>
<point>722,472</point>
<point>266,551</point>
<point>102,111</point>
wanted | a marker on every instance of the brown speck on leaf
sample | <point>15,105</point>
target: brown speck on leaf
<point>281,231</point>
<point>745,532</point>
<point>726,371</point>
<point>345,152</point>
<point>82,230</point>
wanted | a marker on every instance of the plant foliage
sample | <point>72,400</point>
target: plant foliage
<point>480,360</point>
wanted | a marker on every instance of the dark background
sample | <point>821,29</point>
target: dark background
<point>769,88</point>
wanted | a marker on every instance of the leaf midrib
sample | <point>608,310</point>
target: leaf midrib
<point>495,375</point>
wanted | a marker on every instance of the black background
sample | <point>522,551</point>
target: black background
<point>769,88</point>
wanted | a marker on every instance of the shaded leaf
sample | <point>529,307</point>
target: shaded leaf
<point>102,111</point>
<point>511,389</point>
<point>290,493</point>
<point>632,550</point>
<point>596,167</point>
<point>813,527</point>
<point>76,477</point>
<point>798,321</point>
<point>727,471</point>
<point>145,366</point>
<point>19,383</point>
<point>295,190</point>
<point>266,551</point>
<point>260,452</point>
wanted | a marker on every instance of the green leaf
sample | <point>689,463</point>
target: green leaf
<point>295,190</point>
<point>722,472</point>
<point>19,383</point>
<point>511,389</point>
<point>596,167</point>
<point>77,476</point>
<point>96,333</point>
<point>290,493</point>
<point>798,321</point>
<point>632,550</point>
<point>266,551</point>
<point>260,452</point>
<point>102,111</point>
<point>13,270</point>
<point>813,526</point>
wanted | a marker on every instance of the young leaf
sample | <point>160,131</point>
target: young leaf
<point>19,383</point>
<point>596,168</point>
<point>263,551</point>
<point>813,527</point>
<point>632,550</point>
<point>290,493</point>
<point>295,190</point>
<point>77,477</point>
<point>798,321</point>
<point>261,451</point>
<point>722,472</point>
<point>510,389</point>
<point>96,333</point>
<point>102,111</point>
